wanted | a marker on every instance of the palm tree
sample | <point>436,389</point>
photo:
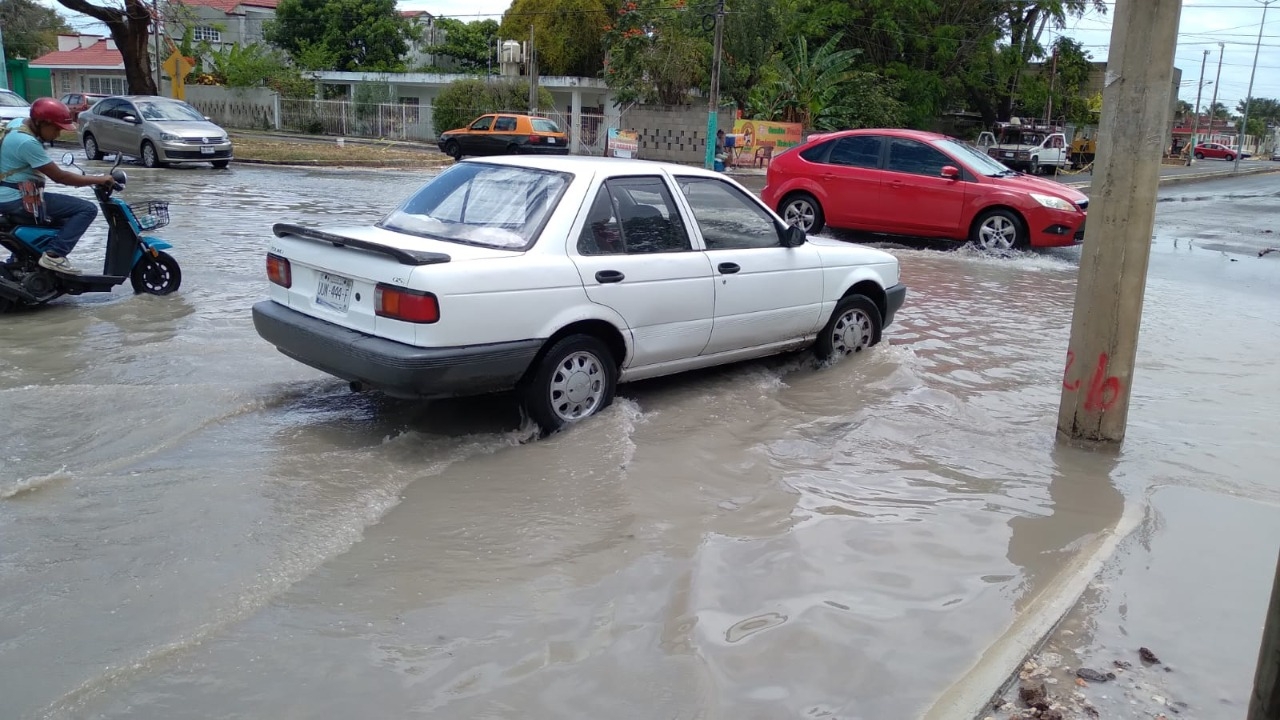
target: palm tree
<point>811,82</point>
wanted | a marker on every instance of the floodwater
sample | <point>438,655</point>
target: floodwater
<point>194,526</point>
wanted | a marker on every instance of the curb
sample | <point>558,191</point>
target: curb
<point>389,164</point>
<point>997,668</point>
<point>1191,178</point>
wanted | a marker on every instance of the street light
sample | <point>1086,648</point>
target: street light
<point>1244,122</point>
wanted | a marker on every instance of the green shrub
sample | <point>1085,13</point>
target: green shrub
<point>465,100</point>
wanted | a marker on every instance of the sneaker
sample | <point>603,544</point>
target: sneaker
<point>58,264</point>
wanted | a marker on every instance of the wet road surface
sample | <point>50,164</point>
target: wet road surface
<point>194,526</point>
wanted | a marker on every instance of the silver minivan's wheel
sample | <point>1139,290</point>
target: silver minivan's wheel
<point>91,149</point>
<point>1035,166</point>
<point>855,325</point>
<point>803,211</point>
<point>999,230</point>
<point>575,379</point>
<point>150,158</point>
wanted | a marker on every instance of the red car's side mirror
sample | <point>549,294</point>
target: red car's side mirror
<point>951,172</point>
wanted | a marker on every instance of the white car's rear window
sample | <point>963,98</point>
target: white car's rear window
<point>493,206</point>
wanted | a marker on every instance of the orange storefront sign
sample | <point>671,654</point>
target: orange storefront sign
<point>760,133</point>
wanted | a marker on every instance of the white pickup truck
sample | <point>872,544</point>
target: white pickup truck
<point>1023,149</point>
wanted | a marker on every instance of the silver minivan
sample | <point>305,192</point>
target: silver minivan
<point>156,130</point>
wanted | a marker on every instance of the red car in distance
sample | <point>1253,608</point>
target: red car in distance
<point>920,184</point>
<point>1217,151</point>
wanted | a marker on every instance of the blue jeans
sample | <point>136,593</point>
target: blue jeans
<point>70,214</point>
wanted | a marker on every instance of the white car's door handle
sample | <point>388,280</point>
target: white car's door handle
<point>609,276</point>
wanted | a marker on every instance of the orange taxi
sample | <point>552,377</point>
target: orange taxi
<point>505,134</point>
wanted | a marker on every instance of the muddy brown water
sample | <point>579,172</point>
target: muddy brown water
<point>194,526</point>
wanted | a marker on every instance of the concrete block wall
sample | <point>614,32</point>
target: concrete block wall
<point>673,133</point>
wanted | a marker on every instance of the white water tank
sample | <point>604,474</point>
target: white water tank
<point>512,52</point>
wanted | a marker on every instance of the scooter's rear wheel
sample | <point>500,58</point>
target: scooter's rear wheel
<point>159,275</point>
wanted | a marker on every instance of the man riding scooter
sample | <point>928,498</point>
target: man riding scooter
<point>24,165</point>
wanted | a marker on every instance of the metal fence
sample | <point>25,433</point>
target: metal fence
<point>407,121</point>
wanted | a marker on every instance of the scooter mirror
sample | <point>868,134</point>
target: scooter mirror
<point>120,176</point>
<point>68,159</point>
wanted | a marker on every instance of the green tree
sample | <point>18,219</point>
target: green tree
<point>470,44</point>
<point>1264,109</point>
<point>257,65</point>
<point>351,34</point>
<point>657,52</point>
<point>1062,82</point>
<point>129,22</point>
<point>464,100</point>
<point>821,90</point>
<point>567,34</point>
<point>30,29</point>
<point>752,33</point>
<point>1025,22</point>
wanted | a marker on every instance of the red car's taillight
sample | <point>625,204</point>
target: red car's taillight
<point>278,271</point>
<point>404,304</point>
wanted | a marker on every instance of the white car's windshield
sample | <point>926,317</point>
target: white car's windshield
<point>977,162</point>
<point>168,111</point>
<point>488,205</point>
<point>8,99</point>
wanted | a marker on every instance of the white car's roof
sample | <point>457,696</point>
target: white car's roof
<point>580,164</point>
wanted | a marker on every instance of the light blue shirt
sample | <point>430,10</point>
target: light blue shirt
<point>20,150</point>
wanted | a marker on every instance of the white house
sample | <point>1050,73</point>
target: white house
<point>84,63</point>
<point>219,22</point>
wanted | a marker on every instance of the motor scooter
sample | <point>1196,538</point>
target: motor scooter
<point>130,254</point>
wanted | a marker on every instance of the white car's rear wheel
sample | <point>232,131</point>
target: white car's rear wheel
<point>574,380</point>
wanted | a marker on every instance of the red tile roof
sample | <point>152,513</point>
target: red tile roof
<point>97,55</point>
<point>412,13</point>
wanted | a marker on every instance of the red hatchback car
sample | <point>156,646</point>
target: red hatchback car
<point>905,182</point>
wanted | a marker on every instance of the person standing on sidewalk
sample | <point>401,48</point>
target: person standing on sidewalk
<point>24,166</point>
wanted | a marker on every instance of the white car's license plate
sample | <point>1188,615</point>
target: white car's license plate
<point>206,149</point>
<point>334,292</point>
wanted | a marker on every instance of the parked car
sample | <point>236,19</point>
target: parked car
<point>1217,151</point>
<point>504,134</point>
<point>79,102</point>
<point>1275,153</point>
<point>905,182</point>
<point>13,106</point>
<point>156,130</point>
<point>561,277</point>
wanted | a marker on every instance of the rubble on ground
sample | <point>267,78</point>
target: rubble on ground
<point>1050,687</point>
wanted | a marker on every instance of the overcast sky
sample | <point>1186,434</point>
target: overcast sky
<point>1205,23</point>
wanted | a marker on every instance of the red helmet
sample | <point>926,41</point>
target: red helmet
<point>46,109</point>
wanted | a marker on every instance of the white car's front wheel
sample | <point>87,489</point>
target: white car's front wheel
<point>574,380</point>
<point>855,325</point>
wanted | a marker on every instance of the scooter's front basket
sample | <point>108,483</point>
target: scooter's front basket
<point>150,214</point>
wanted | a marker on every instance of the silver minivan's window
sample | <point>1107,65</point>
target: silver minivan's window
<point>168,110</point>
<point>8,99</point>
<point>495,206</point>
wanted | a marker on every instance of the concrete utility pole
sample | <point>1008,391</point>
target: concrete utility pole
<point>1195,124</point>
<point>1117,245</point>
<point>1213,104</point>
<point>533,76</point>
<point>4,64</point>
<point>155,23</point>
<point>1248,98</point>
<point>1264,704</point>
<point>713,104</point>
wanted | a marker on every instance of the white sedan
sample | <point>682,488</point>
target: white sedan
<point>560,277</point>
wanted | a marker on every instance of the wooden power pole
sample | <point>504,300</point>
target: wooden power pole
<point>1117,244</point>
<point>713,103</point>
<point>1265,701</point>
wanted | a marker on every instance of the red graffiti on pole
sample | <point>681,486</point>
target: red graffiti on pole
<point>1104,389</point>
